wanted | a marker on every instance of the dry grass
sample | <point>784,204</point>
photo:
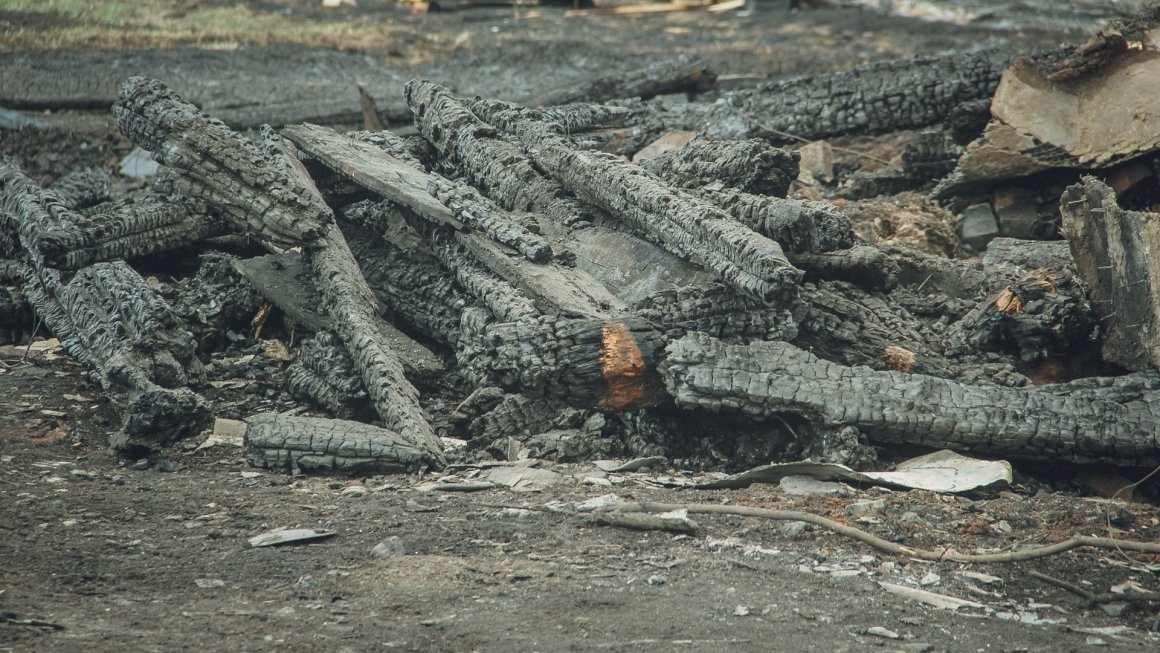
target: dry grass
<point>145,23</point>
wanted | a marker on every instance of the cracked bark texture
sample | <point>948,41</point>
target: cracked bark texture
<point>252,185</point>
<point>680,222</point>
<point>83,188</point>
<point>478,212</point>
<point>584,117</point>
<point>325,374</point>
<point>1111,420</point>
<point>583,362</point>
<point>1114,251</point>
<point>797,225</point>
<point>717,310</point>
<point>108,318</point>
<point>872,98</point>
<point>495,166</point>
<point>748,166</point>
<point>314,445</point>
<point>683,73</point>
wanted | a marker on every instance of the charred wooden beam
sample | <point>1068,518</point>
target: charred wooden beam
<point>108,318</point>
<point>478,212</point>
<point>1113,249</point>
<point>683,74</point>
<point>498,168</point>
<point>1110,420</point>
<point>1028,317</point>
<point>585,117</point>
<point>252,185</point>
<point>717,310</point>
<point>748,166</point>
<point>125,229</point>
<point>679,222</point>
<point>554,288</point>
<point>325,374</point>
<point>584,362</point>
<point>862,264</point>
<point>310,444</point>
<point>872,98</point>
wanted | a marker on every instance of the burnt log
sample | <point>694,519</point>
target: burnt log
<point>83,188</point>
<point>254,186</point>
<point>1113,250</point>
<point>309,444</point>
<point>17,319</point>
<point>325,374</point>
<point>873,98</point>
<point>683,74</point>
<point>680,222</point>
<point>108,318</point>
<point>1110,420</point>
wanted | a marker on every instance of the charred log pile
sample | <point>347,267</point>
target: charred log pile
<point>565,301</point>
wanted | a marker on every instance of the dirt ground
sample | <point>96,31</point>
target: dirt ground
<point>102,554</point>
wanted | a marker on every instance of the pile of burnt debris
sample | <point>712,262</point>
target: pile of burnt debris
<point>539,282</point>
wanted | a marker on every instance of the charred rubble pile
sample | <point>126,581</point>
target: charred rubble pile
<point>509,277</point>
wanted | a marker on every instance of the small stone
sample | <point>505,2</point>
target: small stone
<point>930,579</point>
<point>1114,608</point>
<point>117,479</point>
<point>392,547</point>
<point>354,491</point>
<point>741,611</point>
<point>792,528</point>
<point>166,465</point>
<point>978,226</point>
<point>140,465</point>
<point>863,508</point>
<point>657,580</point>
<point>879,631</point>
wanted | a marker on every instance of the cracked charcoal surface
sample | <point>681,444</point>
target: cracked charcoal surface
<point>680,222</point>
<point>250,183</point>
<point>748,166</point>
<point>1094,419</point>
<point>310,444</point>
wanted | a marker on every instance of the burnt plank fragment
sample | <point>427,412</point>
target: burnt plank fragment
<point>1111,420</point>
<point>1114,251</point>
<point>252,185</point>
<point>684,73</point>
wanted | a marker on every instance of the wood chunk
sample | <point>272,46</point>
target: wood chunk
<point>1091,420</point>
<point>311,444</point>
<point>685,73</point>
<point>749,166</point>
<point>1114,251</point>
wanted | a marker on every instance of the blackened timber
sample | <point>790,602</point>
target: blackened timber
<point>555,288</point>
<point>479,212</point>
<point>83,188</point>
<point>325,374</point>
<point>108,318</point>
<point>749,166</point>
<point>1108,420</point>
<point>1114,250</point>
<point>873,98</point>
<point>681,74</point>
<point>583,362</point>
<point>498,168</point>
<point>678,221</point>
<point>127,228</point>
<point>310,444</point>
<point>252,185</point>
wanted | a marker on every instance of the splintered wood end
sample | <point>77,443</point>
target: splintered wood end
<point>632,382</point>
